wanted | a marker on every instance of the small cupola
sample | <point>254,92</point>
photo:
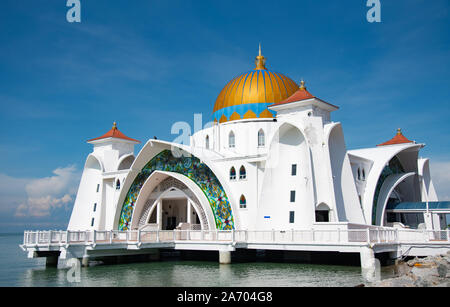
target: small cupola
<point>399,138</point>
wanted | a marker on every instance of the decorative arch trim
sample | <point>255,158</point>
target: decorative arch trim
<point>195,170</point>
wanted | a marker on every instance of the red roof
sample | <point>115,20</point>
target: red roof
<point>114,133</point>
<point>301,94</point>
<point>398,139</point>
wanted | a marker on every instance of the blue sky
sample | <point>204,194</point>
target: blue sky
<point>148,64</point>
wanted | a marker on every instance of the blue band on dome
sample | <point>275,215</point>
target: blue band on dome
<point>241,109</point>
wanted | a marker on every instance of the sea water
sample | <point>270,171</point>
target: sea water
<point>18,271</point>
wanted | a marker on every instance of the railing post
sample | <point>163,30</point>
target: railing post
<point>232,236</point>
<point>157,236</point>
<point>94,239</point>
<point>139,236</point>
<point>110,237</point>
<point>273,235</point>
<point>378,236</point>
<point>174,235</point>
<point>448,235</point>
<point>313,235</point>
<point>368,235</point>
<point>292,235</point>
<point>338,235</point>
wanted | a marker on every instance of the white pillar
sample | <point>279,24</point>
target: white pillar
<point>370,266</point>
<point>189,212</point>
<point>158,214</point>
<point>224,257</point>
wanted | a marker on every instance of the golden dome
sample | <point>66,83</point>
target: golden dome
<point>248,95</point>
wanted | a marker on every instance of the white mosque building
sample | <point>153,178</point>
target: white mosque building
<point>273,160</point>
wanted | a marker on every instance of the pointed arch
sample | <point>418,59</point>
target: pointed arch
<point>232,173</point>
<point>231,140</point>
<point>261,138</point>
<point>242,173</point>
<point>207,142</point>
<point>243,202</point>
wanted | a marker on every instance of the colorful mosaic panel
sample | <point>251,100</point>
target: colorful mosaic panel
<point>195,170</point>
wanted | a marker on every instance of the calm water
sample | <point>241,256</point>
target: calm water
<point>17,270</point>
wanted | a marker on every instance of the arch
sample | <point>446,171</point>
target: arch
<point>261,138</point>
<point>207,142</point>
<point>345,201</point>
<point>157,186</point>
<point>125,162</point>
<point>154,181</point>
<point>92,162</point>
<point>323,213</point>
<point>288,145</point>
<point>194,172</point>
<point>232,173</point>
<point>380,160</point>
<point>363,174</point>
<point>242,173</point>
<point>242,202</point>
<point>387,188</point>
<point>231,140</point>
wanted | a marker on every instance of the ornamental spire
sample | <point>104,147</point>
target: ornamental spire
<point>260,60</point>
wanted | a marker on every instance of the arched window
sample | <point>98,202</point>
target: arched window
<point>243,202</point>
<point>359,173</point>
<point>207,142</point>
<point>231,140</point>
<point>261,138</point>
<point>118,184</point>
<point>363,174</point>
<point>233,173</point>
<point>242,173</point>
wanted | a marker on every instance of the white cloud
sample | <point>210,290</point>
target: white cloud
<point>38,197</point>
<point>440,174</point>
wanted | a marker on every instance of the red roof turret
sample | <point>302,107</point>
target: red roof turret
<point>399,138</point>
<point>114,133</point>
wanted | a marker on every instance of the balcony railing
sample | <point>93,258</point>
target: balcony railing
<point>329,236</point>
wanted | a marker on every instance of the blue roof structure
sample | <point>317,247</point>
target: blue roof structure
<point>421,206</point>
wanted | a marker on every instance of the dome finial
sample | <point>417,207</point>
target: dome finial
<point>399,131</point>
<point>114,126</point>
<point>302,85</point>
<point>260,60</point>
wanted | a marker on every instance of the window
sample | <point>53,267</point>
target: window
<point>207,142</point>
<point>242,173</point>
<point>359,174</point>
<point>98,188</point>
<point>291,217</point>
<point>322,216</point>
<point>243,202</point>
<point>92,222</point>
<point>363,174</point>
<point>294,170</point>
<point>261,138</point>
<point>231,140</point>
<point>118,184</point>
<point>95,207</point>
<point>292,196</point>
<point>233,173</point>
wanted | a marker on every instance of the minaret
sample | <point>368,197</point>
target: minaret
<point>111,146</point>
<point>104,173</point>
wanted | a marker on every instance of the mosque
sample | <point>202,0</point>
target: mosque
<point>273,160</point>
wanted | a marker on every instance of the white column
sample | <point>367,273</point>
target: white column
<point>370,266</point>
<point>224,257</point>
<point>189,212</point>
<point>159,214</point>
